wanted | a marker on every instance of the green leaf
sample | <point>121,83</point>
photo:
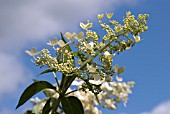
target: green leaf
<point>121,70</point>
<point>47,71</point>
<point>29,112</point>
<point>34,89</point>
<point>47,107</point>
<point>72,105</point>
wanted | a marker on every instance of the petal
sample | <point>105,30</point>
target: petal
<point>106,53</point>
<point>82,26</point>
<point>61,43</point>
<point>92,44</point>
<point>116,68</point>
<point>90,68</point>
<point>86,26</point>
<point>109,15</point>
<point>28,52</point>
<point>88,46</point>
<point>33,50</point>
<point>54,42</point>
<point>119,79</point>
<point>97,77</point>
<point>137,38</point>
<point>68,35</point>
<point>108,78</point>
<point>80,35</point>
<point>96,82</point>
<point>89,25</point>
<point>100,16</point>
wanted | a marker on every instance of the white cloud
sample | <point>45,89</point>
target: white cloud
<point>36,20</point>
<point>163,108</point>
<point>7,111</point>
<point>13,74</point>
<point>30,20</point>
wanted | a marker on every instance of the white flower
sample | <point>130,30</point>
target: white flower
<point>97,77</point>
<point>86,26</point>
<point>33,52</point>
<point>119,79</point>
<point>80,36</point>
<point>91,68</point>
<point>53,42</point>
<point>97,80</point>
<point>77,83</point>
<point>35,100</point>
<point>70,36</point>
<point>109,103</point>
<point>100,16</point>
<point>123,95</point>
<point>108,55</point>
<point>109,15</point>
<point>90,46</point>
<point>105,86</point>
<point>79,62</point>
<point>127,48</point>
<point>137,38</point>
<point>77,93</point>
<point>116,68</point>
<point>108,78</point>
<point>96,111</point>
<point>61,43</point>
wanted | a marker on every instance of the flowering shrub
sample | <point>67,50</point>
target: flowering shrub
<point>89,77</point>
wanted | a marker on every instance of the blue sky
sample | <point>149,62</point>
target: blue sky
<point>29,23</point>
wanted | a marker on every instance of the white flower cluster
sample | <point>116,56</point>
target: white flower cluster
<point>120,91</point>
<point>89,57</point>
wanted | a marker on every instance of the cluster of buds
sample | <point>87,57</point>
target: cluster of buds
<point>89,57</point>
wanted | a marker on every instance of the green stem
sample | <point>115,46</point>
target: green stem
<point>73,91</point>
<point>56,105</point>
<point>56,79</point>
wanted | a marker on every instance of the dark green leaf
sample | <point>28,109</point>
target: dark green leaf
<point>62,37</point>
<point>33,89</point>
<point>47,71</point>
<point>28,112</point>
<point>47,107</point>
<point>72,105</point>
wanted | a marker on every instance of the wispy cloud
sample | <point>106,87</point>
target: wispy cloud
<point>7,111</point>
<point>32,21</point>
<point>13,74</point>
<point>163,108</point>
<point>23,21</point>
